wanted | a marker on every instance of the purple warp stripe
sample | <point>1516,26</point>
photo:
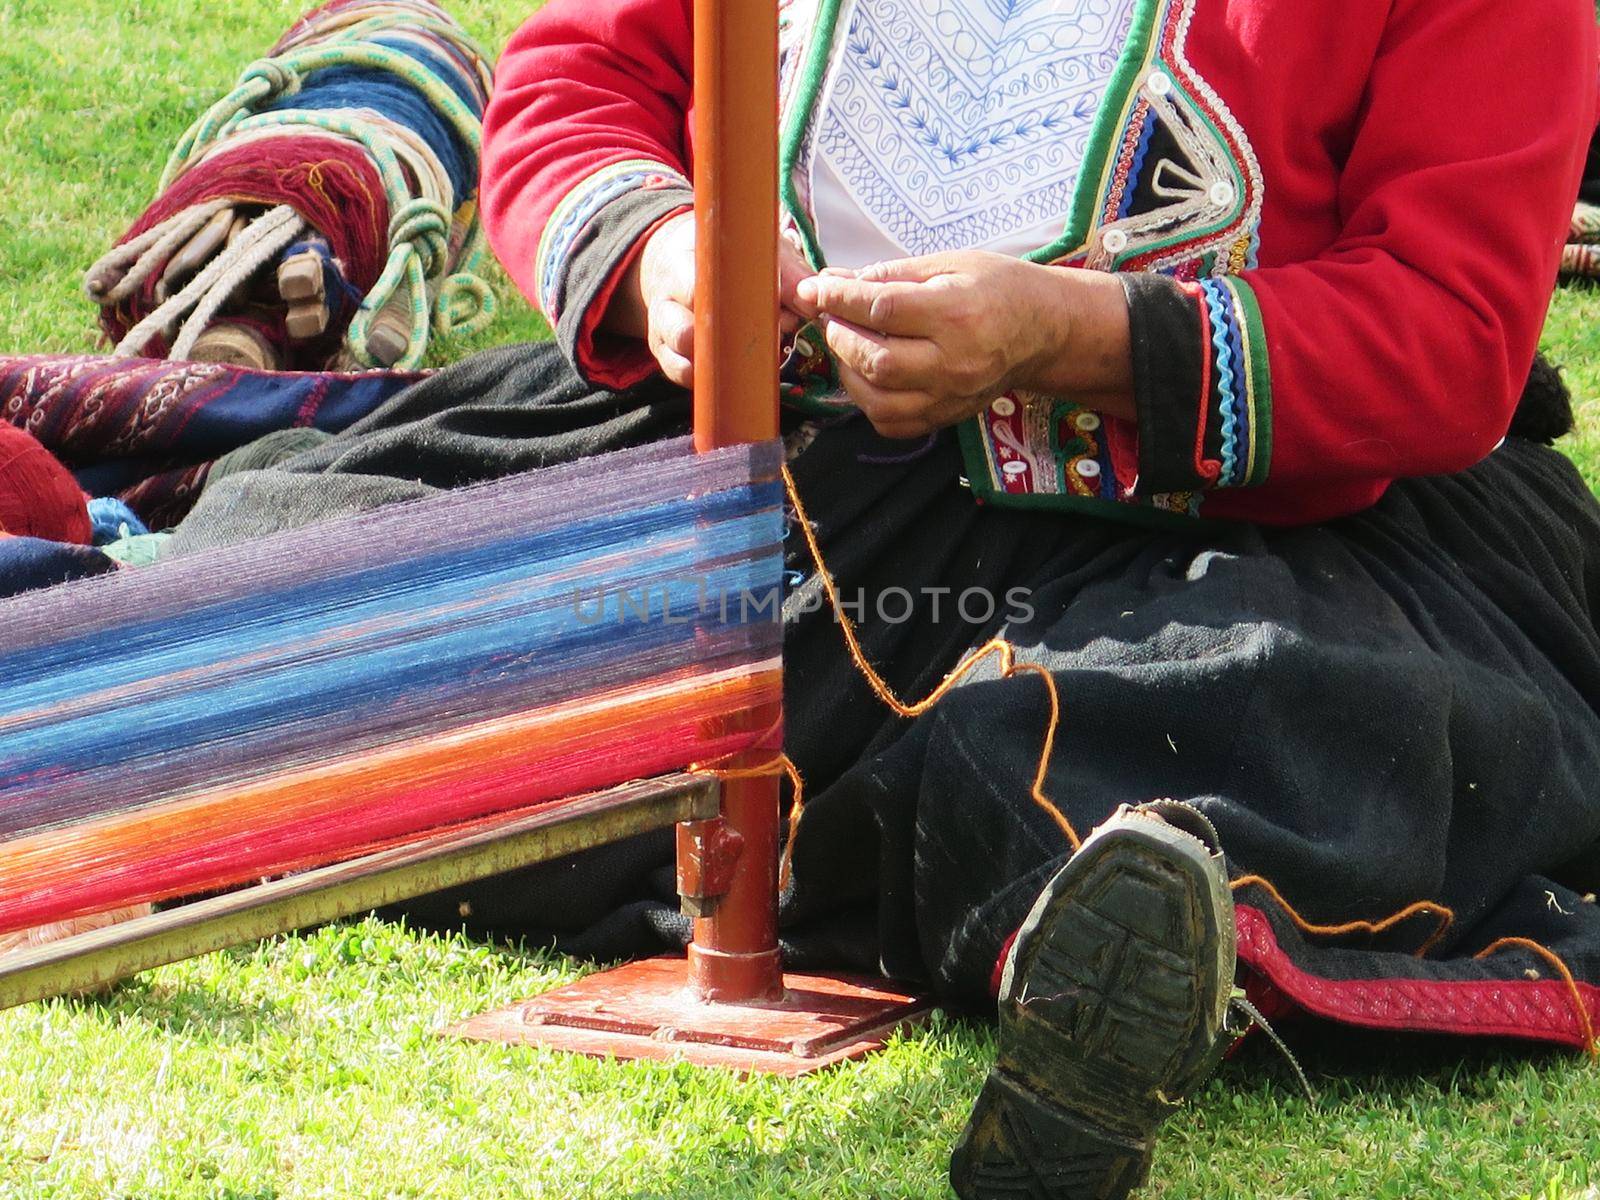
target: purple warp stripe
<point>544,499</point>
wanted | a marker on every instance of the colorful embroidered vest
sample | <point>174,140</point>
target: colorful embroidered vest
<point>1167,182</point>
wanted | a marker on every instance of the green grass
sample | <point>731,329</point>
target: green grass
<point>308,1067</point>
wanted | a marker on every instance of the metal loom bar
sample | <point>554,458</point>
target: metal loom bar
<point>442,860</point>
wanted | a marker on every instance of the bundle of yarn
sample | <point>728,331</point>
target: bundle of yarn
<point>38,497</point>
<point>323,214</point>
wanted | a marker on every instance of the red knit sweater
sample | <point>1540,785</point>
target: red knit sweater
<point>1362,303</point>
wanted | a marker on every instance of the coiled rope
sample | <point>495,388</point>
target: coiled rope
<point>380,101</point>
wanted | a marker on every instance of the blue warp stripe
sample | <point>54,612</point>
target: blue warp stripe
<point>214,630</point>
<point>527,647</point>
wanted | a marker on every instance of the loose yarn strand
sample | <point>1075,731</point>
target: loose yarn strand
<point>1591,1044</point>
<point>783,765</point>
<point>1445,915</point>
<point>999,648</point>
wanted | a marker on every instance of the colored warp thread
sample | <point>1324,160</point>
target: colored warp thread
<point>365,124</point>
<point>298,700</point>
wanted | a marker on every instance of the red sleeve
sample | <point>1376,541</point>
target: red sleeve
<point>584,154</point>
<point>1402,349</point>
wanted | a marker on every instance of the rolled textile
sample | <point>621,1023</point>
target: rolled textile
<point>324,212</point>
<point>147,430</point>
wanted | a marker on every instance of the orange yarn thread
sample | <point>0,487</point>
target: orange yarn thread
<point>1446,917</point>
<point>780,765</point>
<point>1591,1044</point>
<point>999,647</point>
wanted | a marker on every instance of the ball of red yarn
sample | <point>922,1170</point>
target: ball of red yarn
<point>38,496</point>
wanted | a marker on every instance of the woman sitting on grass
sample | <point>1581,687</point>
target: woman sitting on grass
<point>1177,342</point>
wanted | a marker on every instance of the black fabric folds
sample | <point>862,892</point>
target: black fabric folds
<point>1398,706</point>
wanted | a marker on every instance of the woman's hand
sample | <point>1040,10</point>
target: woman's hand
<point>923,343</point>
<point>656,300</point>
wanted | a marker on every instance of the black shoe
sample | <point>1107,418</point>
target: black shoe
<point>1113,1009</point>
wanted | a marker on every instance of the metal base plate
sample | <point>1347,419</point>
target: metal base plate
<point>645,1010</point>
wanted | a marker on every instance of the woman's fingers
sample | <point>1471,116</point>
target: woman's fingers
<point>894,414</point>
<point>671,340</point>
<point>891,363</point>
<point>903,309</point>
<point>915,270</point>
<point>675,367</point>
<point>672,327</point>
<point>792,268</point>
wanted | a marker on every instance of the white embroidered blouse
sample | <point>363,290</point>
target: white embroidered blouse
<point>959,124</point>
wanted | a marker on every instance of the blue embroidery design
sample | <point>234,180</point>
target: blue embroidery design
<point>959,122</point>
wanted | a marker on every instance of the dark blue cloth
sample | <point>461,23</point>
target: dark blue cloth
<point>30,563</point>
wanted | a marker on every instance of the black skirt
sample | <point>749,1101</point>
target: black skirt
<point>1397,707</point>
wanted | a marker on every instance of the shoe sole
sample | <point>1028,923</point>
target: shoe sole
<point>1111,1012</point>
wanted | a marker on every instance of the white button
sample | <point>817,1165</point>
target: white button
<point>1114,241</point>
<point>1015,467</point>
<point>1159,83</point>
<point>1086,422</point>
<point>1005,406</point>
<point>1222,194</point>
<point>1087,467</point>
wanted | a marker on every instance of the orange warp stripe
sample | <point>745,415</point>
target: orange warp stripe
<point>439,760</point>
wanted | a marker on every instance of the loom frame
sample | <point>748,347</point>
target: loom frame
<point>444,859</point>
<point>728,1002</point>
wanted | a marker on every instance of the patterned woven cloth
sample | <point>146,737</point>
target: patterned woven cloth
<point>147,431</point>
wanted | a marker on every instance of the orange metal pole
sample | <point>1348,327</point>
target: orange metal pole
<point>734,956</point>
